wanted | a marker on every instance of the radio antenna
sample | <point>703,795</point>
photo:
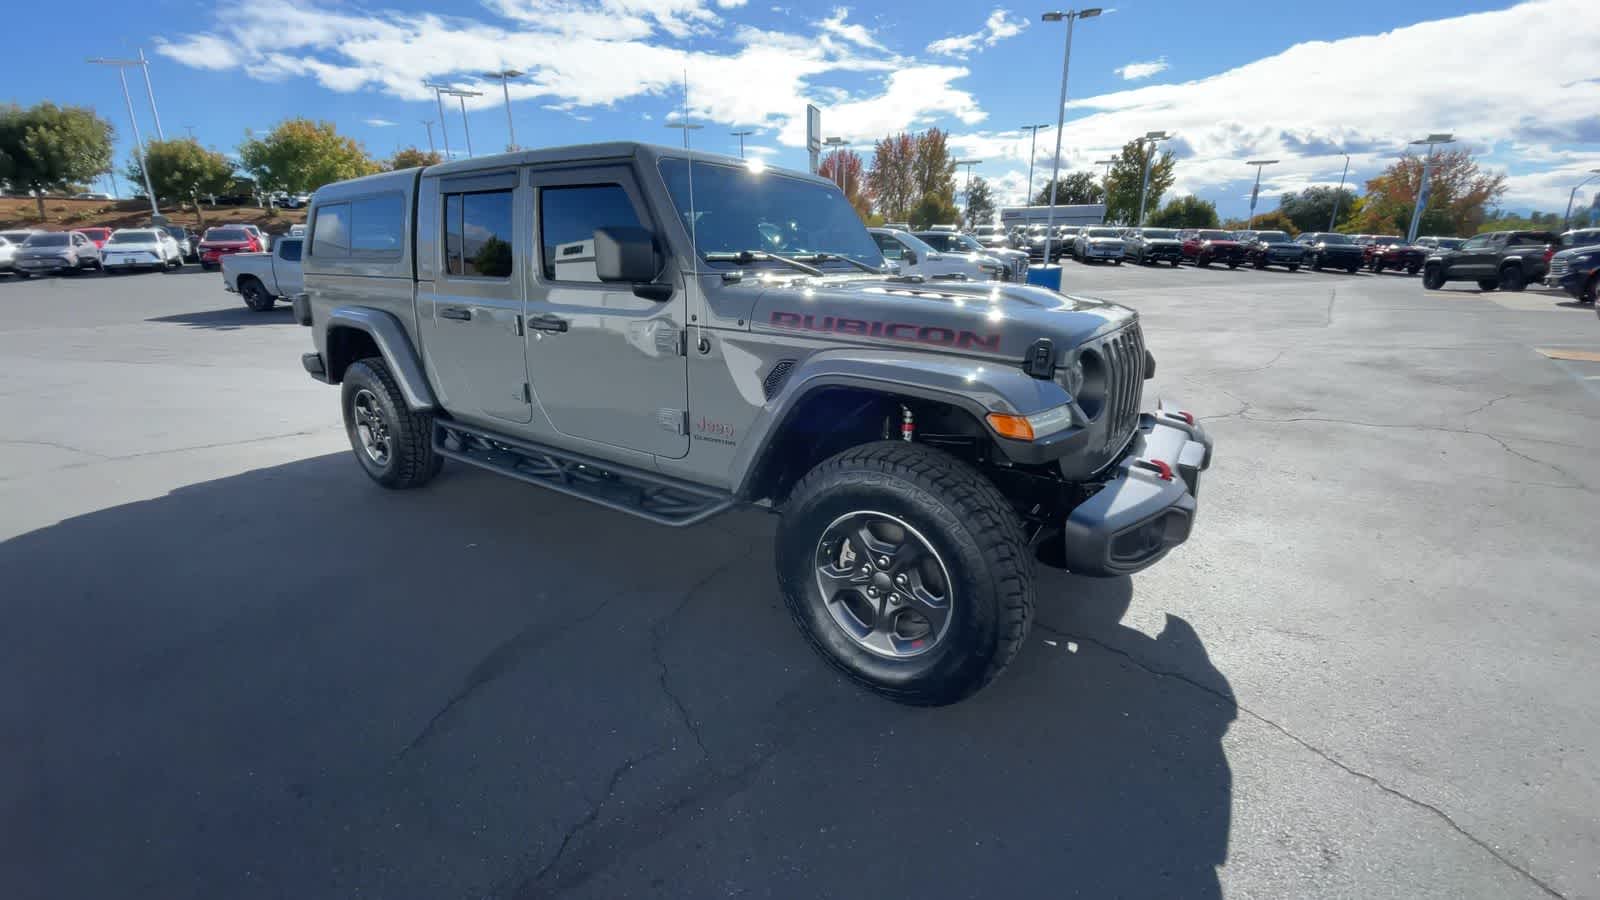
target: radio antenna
<point>694,241</point>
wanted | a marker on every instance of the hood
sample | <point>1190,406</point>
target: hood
<point>984,319</point>
<point>1219,243</point>
<point>37,252</point>
<point>1151,240</point>
<point>1104,240</point>
<point>1572,252</point>
<point>1280,245</point>
<point>134,247</point>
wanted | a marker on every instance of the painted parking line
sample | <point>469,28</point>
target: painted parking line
<point>1569,354</point>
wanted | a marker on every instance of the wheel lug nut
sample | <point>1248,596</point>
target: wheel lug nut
<point>883,562</point>
<point>900,579</point>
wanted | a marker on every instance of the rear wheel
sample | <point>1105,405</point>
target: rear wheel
<point>1377,267</point>
<point>1259,263</point>
<point>1487,284</point>
<point>1202,261</point>
<point>1352,268</point>
<point>393,444</point>
<point>1294,267</point>
<point>1590,289</point>
<point>256,295</point>
<point>907,570</point>
<point>1412,270</point>
<point>1116,262</point>
<point>1512,279</point>
<point>1232,264</point>
<point>1316,262</point>
<point>1175,261</point>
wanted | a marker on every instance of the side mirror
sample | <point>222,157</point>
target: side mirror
<point>625,254</point>
<point>910,257</point>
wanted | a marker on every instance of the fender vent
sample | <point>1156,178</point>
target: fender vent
<point>776,377</point>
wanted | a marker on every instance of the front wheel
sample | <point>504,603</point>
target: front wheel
<point>1377,267</point>
<point>907,570</point>
<point>1353,268</point>
<point>1116,262</point>
<point>1590,289</point>
<point>1294,267</point>
<point>1233,265</point>
<point>1175,261</point>
<point>1433,277</point>
<point>393,444</point>
<point>1316,262</point>
<point>1512,279</point>
<point>1203,262</point>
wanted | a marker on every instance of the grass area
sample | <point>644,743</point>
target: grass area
<point>60,213</point>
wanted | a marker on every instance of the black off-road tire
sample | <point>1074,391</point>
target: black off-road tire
<point>256,296</point>
<point>1433,277</point>
<point>971,528</point>
<point>1512,279</point>
<point>411,461</point>
<point>1259,263</point>
<point>1488,284</point>
<point>1294,267</point>
<point>1233,264</point>
<point>1175,261</point>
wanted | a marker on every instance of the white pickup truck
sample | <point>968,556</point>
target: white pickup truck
<point>262,278</point>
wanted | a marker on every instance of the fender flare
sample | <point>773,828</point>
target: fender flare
<point>393,345</point>
<point>976,386</point>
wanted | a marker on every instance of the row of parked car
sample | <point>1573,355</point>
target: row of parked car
<point>27,252</point>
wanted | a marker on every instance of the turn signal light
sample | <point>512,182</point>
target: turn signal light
<point>1015,427</point>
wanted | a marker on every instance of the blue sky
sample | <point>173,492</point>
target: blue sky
<point>1518,84</point>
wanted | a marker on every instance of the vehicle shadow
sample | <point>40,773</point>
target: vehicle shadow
<point>291,682</point>
<point>231,318</point>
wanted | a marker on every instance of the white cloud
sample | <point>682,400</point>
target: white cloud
<point>999,26</point>
<point>380,123</point>
<point>855,34</point>
<point>203,51</point>
<point>1136,70</point>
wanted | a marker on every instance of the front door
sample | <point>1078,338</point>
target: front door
<point>606,363</point>
<point>1475,259</point>
<point>473,309</point>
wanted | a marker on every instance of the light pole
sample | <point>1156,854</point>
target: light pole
<point>505,75</point>
<point>1105,190</point>
<point>444,131</point>
<point>151,93</point>
<point>835,143</point>
<point>121,66</point>
<point>190,129</point>
<point>741,135</point>
<point>428,124</point>
<point>1566,221</point>
<point>462,96</point>
<point>1071,16</point>
<point>1152,138</point>
<point>1033,143</point>
<point>966,195</point>
<point>687,127</point>
<point>1256,191</point>
<point>1432,141</point>
<point>1339,194</point>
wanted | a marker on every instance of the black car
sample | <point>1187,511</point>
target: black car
<point>1499,259</point>
<point>188,242</point>
<point>1576,271</point>
<point>1271,248</point>
<point>1329,250</point>
<point>1152,245</point>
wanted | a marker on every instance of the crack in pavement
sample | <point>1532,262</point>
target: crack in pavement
<point>56,445</point>
<point>658,633</point>
<point>594,813</point>
<point>1478,409</point>
<point>1325,755</point>
<point>102,458</point>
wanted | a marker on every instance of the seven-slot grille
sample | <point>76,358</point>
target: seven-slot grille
<point>1123,353</point>
<point>1558,267</point>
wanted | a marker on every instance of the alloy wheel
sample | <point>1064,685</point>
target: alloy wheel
<point>883,584</point>
<point>371,426</point>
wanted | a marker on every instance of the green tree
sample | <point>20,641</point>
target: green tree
<point>1185,212</point>
<point>1276,221</point>
<point>1127,178</point>
<point>932,210</point>
<point>413,158</point>
<point>1459,196</point>
<point>980,203</point>
<point>48,147</point>
<point>183,170</point>
<point>1311,208</point>
<point>301,155</point>
<point>1072,188</point>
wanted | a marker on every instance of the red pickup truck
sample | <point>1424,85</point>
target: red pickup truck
<point>1205,246</point>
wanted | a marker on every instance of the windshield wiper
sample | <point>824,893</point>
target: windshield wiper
<point>744,257</point>
<point>825,257</point>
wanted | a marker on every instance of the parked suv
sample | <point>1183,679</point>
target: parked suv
<point>1498,259</point>
<point>223,240</point>
<point>1013,263</point>
<point>46,252</point>
<point>1392,252</point>
<point>914,256</point>
<point>1271,248</point>
<point>1152,245</point>
<point>551,315</point>
<point>1208,245</point>
<point>1093,242</point>
<point>1327,249</point>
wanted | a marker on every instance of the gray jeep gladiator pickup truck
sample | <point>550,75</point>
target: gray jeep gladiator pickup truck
<point>673,336</point>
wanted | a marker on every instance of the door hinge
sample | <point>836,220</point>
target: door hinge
<point>527,392</point>
<point>517,325</point>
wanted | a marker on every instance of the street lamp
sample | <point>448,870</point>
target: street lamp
<point>1256,191</point>
<point>1153,138</point>
<point>428,124</point>
<point>741,135</point>
<point>121,66</point>
<point>1566,221</point>
<point>1432,141</point>
<point>1339,194</point>
<point>687,127</point>
<point>1106,191</point>
<point>835,143</point>
<point>1070,16</point>
<point>1033,142</point>
<point>967,194</point>
<point>462,96</point>
<point>444,131</point>
<point>505,75</point>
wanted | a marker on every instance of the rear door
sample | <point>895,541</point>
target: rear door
<point>606,364</point>
<point>286,266</point>
<point>472,310</point>
<point>1475,259</point>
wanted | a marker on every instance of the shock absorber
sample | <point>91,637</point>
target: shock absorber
<point>908,424</point>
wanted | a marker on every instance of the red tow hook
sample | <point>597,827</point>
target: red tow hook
<point>1186,416</point>
<point>1162,470</point>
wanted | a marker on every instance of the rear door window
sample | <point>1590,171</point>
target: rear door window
<point>376,224</point>
<point>477,234</point>
<point>289,250</point>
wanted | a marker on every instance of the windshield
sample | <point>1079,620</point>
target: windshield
<point>53,239</point>
<point>987,230</point>
<point>1103,232</point>
<point>133,237</point>
<point>1271,236</point>
<point>1216,235</point>
<point>1448,243</point>
<point>1580,238</point>
<point>1388,240</point>
<point>1334,238</point>
<point>736,209</point>
<point>1159,234</point>
<point>227,234</point>
<point>952,243</point>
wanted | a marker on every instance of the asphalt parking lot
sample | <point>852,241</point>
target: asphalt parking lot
<point>232,667</point>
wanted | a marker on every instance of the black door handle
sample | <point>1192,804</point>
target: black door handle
<point>457,313</point>
<point>547,323</point>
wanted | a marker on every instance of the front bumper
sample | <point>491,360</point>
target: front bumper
<point>1572,281</point>
<point>1148,506</point>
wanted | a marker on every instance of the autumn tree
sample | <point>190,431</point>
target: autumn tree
<point>933,168</point>
<point>300,156</point>
<point>1126,180</point>
<point>889,178</point>
<point>413,158</point>
<point>1185,212</point>
<point>913,177</point>
<point>846,168</point>
<point>1072,188</point>
<point>48,147</point>
<point>1274,221</point>
<point>181,169</point>
<point>1458,199</point>
<point>980,203</point>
